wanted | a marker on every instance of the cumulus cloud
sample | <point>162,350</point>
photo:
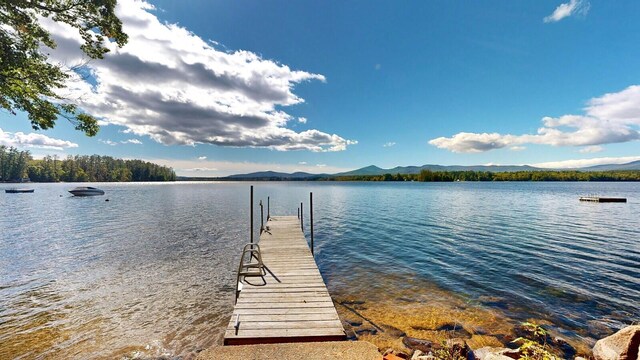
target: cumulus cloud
<point>611,118</point>
<point>131,141</point>
<point>579,163</point>
<point>202,158</point>
<point>302,120</point>
<point>573,7</point>
<point>389,144</point>
<point>33,140</point>
<point>173,86</point>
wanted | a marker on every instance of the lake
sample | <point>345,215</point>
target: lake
<point>151,272</point>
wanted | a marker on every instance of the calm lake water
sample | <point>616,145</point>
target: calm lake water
<point>151,272</point>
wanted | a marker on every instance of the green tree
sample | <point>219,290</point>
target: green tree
<point>28,82</point>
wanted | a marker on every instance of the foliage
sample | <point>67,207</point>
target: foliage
<point>536,348</point>
<point>28,82</point>
<point>448,352</point>
<point>15,165</point>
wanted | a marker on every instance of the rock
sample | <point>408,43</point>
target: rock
<point>354,322</point>
<point>459,346</point>
<point>417,344</point>
<point>566,348</point>
<point>623,345</point>
<point>456,330</point>
<point>392,331</point>
<point>495,353</point>
<point>419,355</point>
<point>366,330</point>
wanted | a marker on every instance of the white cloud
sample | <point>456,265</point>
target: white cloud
<point>131,141</point>
<point>564,10</point>
<point>591,149</point>
<point>611,118</point>
<point>517,148</point>
<point>302,120</point>
<point>321,165</point>
<point>302,163</point>
<point>579,163</point>
<point>108,142</point>
<point>173,86</point>
<point>33,140</point>
<point>202,158</point>
<point>389,144</point>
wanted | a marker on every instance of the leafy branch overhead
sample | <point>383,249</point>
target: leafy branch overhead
<point>28,82</point>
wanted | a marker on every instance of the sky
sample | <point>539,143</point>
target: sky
<point>214,88</point>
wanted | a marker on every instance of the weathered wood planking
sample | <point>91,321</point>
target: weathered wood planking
<point>292,304</point>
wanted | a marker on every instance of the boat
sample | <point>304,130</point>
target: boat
<point>86,191</point>
<point>18,191</point>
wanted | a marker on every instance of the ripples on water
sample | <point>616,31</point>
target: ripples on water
<point>151,272</point>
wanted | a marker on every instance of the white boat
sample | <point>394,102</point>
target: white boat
<point>86,191</point>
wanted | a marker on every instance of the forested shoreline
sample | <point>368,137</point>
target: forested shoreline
<point>16,165</point>
<point>538,175</point>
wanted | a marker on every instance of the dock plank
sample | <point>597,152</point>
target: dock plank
<point>291,303</point>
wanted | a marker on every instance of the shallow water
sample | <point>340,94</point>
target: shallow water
<point>151,272</point>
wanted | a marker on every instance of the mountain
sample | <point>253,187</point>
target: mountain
<point>634,165</point>
<point>275,175</point>
<point>374,170</point>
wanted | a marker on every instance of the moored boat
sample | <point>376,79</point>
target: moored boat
<point>86,191</point>
<point>18,191</point>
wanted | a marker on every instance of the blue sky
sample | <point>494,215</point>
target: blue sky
<point>216,88</point>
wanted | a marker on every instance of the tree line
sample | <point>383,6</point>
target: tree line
<point>539,175</point>
<point>16,165</point>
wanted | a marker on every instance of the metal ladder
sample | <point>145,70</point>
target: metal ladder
<point>249,267</point>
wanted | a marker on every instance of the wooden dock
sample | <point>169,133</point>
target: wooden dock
<point>291,302</point>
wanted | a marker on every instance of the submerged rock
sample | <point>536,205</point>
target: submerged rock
<point>417,344</point>
<point>392,331</point>
<point>456,330</point>
<point>623,345</point>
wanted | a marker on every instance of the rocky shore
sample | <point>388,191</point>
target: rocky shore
<point>410,328</point>
<point>623,345</point>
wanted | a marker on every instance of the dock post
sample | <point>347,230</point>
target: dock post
<point>298,213</point>
<point>268,208</point>
<point>311,218</point>
<point>261,217</point>
<point>251,210</point>
<point>301,219</point>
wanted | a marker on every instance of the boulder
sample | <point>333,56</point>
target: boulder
<point>623,345</point>
<point>496,353</point>
<point>417,344</point>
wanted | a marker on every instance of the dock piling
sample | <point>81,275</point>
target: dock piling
<point>311,218</point>
<point>301,220</point>
<point>261,217</point>
<point>251,210</point>
<point>268,208</point>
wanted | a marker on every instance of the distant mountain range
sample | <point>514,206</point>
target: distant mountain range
<point>374,170</point>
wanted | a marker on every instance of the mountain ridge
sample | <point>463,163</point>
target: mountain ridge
<point>373,170</point>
